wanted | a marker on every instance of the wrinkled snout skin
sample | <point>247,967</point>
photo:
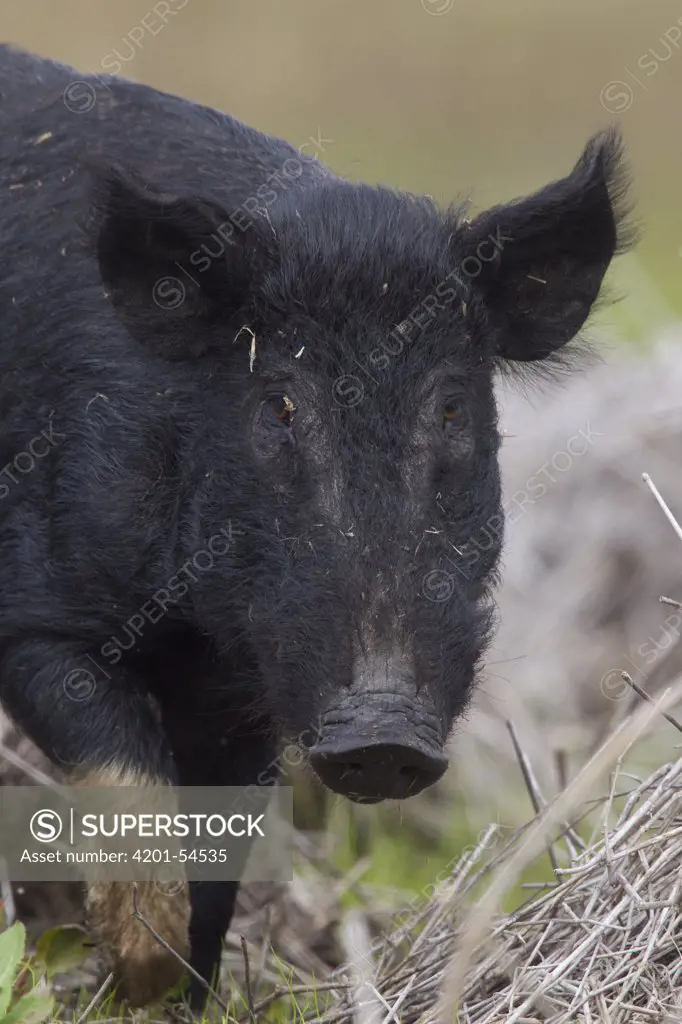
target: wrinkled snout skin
<point>249,482</point>
<point>380,738</point>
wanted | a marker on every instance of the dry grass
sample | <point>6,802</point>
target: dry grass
<point>598,944</point>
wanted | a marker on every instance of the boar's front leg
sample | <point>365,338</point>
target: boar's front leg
<point>99,726</point>
<point>217,748</point>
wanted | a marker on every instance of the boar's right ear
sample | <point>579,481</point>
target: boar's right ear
<point>174,267</point>
<point>551,252</point>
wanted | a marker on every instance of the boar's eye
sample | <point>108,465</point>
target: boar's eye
<point>279,410</point>
<point>273,423</point>
<point>456,426</point>
<point>450,413</point>
<point>455,416</point>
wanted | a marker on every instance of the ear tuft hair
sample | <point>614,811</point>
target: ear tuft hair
<point>605,152</point>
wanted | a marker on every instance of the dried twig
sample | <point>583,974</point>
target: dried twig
<point>162,942</point>
<point>357,945</point>
<point>95,999</point>
<point>666,511</point>
<point>645,696</point>
<point>532,785</point>
<point>247,980</point>
<point>9,910</point>
<point>32,773</point>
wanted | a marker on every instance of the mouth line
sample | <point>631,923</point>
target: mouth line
<point>337,745</point>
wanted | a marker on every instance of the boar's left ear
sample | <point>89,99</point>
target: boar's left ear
<point>173,266</point>
<point>551,253</point>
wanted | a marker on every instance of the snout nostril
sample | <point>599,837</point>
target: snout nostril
<point>376,770</point>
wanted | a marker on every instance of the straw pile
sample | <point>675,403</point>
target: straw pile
<point>602,942</point>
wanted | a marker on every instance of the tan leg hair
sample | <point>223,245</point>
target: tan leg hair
<point>143,968</point>
<point>113,775</point>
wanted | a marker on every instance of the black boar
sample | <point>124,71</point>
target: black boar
<point>248,451</point>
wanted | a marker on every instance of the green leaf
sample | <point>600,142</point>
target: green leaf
<point>33,1008</point>
<point>61,949</point>
<point>12,944</point>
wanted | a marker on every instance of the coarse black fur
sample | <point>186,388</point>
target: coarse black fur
<point>268,457</point>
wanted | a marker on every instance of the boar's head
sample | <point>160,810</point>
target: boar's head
<point>335,361</point>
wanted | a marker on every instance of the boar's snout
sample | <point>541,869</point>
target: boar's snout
<point>375,770</point>
<point>380,740</point>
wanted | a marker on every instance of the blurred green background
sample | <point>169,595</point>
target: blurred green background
<point>448,97</point>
